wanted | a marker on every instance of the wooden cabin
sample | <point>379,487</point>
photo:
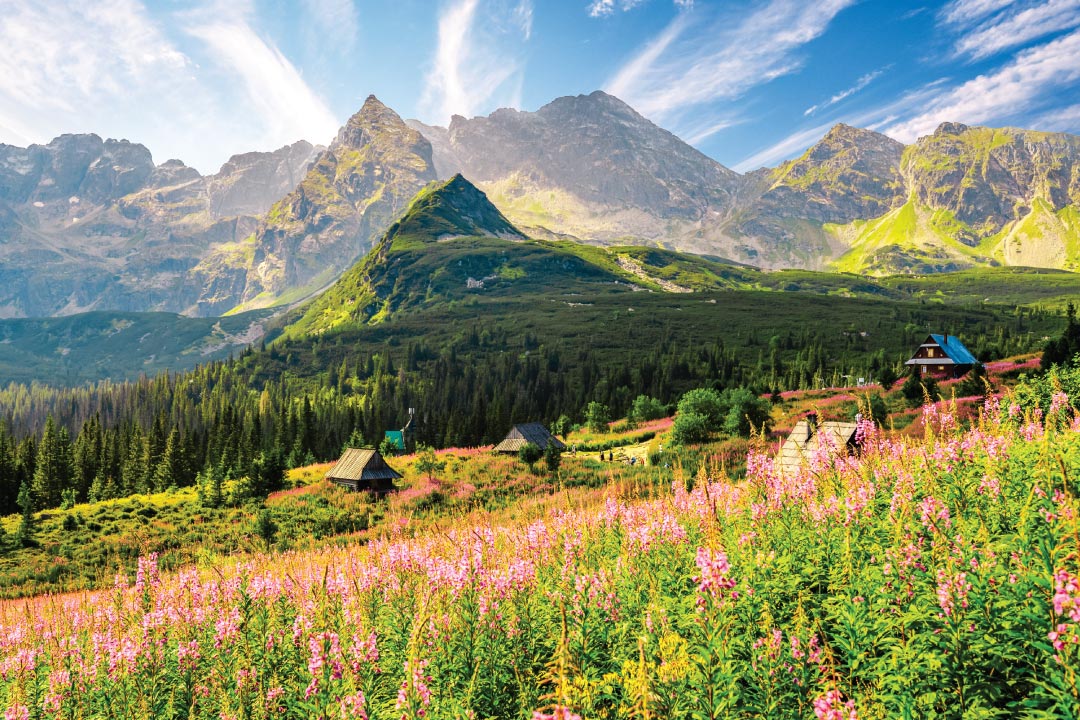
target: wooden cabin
<point>809,438</point>
<point>521,435</point>
<point>363,470</point>
<point>942,356</point>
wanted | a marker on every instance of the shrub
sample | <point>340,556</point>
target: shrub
<point>706,403</point>
<point>646,408</point>
<point>689,427</point>
<point>530,453</point>
<point>597,417</point>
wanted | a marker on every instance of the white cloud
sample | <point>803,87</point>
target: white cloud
<point>859,85</point>
<point>604,8</point>
<point>111,68</point>
<point>336,22</point>
<point>788,147</point>
<point>1017,87</point>
<point>1066,119</point>
<point>689,65</point>
<point>476,65</point>
<point>971,12</point>
<point>282,103</point>
<point>1018,26</point>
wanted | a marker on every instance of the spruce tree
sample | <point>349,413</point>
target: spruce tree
<point>53,468</point>
<point>24,536</point>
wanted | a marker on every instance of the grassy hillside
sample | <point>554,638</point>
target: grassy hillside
<point>93,346</point>
<point>932,576</point>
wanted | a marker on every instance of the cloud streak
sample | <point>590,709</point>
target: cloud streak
<point>286,108</point>
<point>695,61</point>
<point>1018,87</point>
<point>989,27</point>
<point>859,85</point>
<point>474,66</point>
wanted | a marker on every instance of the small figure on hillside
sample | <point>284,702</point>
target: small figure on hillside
<point>633,461</point>
<point>573,449</point>
<point>660,448</point>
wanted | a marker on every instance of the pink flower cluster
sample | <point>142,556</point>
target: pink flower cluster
<point>1067,608</point>
<point>831,706</point>
<point>714,582</point>
<point>559,713</point>
<point>952,591</point>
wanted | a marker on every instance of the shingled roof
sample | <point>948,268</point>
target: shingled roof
<point>362,470</point>
<point>808,438</point>
<point>521,435</point>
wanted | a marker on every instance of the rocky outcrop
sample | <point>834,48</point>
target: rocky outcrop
<point>988,178</point>
<point>588,166</point>
<point>87,223</point>
<point>349,197</point>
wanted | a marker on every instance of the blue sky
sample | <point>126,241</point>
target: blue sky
<point>748,82</point>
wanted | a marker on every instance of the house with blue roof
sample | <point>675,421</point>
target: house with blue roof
<point>942,356</point>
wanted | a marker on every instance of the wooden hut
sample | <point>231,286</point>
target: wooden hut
<point>363,470</point>
<point>521,435</point>
<point>942,355</point>
<point>809,438</point>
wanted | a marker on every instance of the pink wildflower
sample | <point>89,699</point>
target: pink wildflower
<point>559,713</point>
<point>714,582</point>
<point>831,706</point>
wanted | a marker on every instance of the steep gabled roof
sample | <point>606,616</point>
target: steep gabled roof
<point>521,435</point>
<point>954,349</point>
<point>357,464</point>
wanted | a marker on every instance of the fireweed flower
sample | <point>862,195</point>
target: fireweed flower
<point>714,582</point>
<point>559,713</point>
<point>831,706</point>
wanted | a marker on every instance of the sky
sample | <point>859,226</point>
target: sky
<point>748,82</point>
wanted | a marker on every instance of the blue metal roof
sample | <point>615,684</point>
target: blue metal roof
<point>954,349</point>
<point>397,437</point>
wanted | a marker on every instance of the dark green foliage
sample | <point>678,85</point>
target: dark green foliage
<point>265,527</point>
<point>530,453</point>
<point>745,412</point>
<point>562,426</point>
<point>1063,349</point>
<point>427,464</point>
<point>704,402</point>
<point>552,457</point>
<point>25,534</point>
<point>597,417</point>
<point>646,408</point>
<point>918,387</point>
<point>887,377</point>
<point>689,427</point>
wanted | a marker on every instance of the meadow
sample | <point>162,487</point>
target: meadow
<point>931,576</point>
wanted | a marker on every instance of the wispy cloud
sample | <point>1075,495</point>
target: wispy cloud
<point>476,65</point>
<point>699,60</point>
<point>110,67</point>
<point>1018,87</point>
<point>604,8</point>
<point>859,85</point>
<point>66,66</point>
<point>285,108</point>
<point>789,146</point>
<point>972,12</point>
<point>988,27</point>
<point>336,22</point>
<point>1066,119</point>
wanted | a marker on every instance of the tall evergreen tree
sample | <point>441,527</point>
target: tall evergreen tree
<point>25,534</point>
<point>53,468</point>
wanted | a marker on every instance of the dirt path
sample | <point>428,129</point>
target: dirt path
<point>640,451</point>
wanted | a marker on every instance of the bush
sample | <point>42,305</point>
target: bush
<point>746,412</point>
<point>530,453</point>
<point>706,403</point>
<point>689,427</point>
<point>917,388</point>
<point>597,417</point>
<point>646,408</point>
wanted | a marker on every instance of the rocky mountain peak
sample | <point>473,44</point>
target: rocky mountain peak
<point>951,128</point>
<point>453,208</point>
<point>372,120</point>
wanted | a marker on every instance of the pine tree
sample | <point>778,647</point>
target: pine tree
<point>25,534</point>
<point>53,467</point>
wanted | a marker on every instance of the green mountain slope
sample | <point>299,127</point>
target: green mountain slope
<point>115,346</point>
<point>975,196</point>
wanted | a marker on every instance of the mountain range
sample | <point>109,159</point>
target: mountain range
<point>92,224</point>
